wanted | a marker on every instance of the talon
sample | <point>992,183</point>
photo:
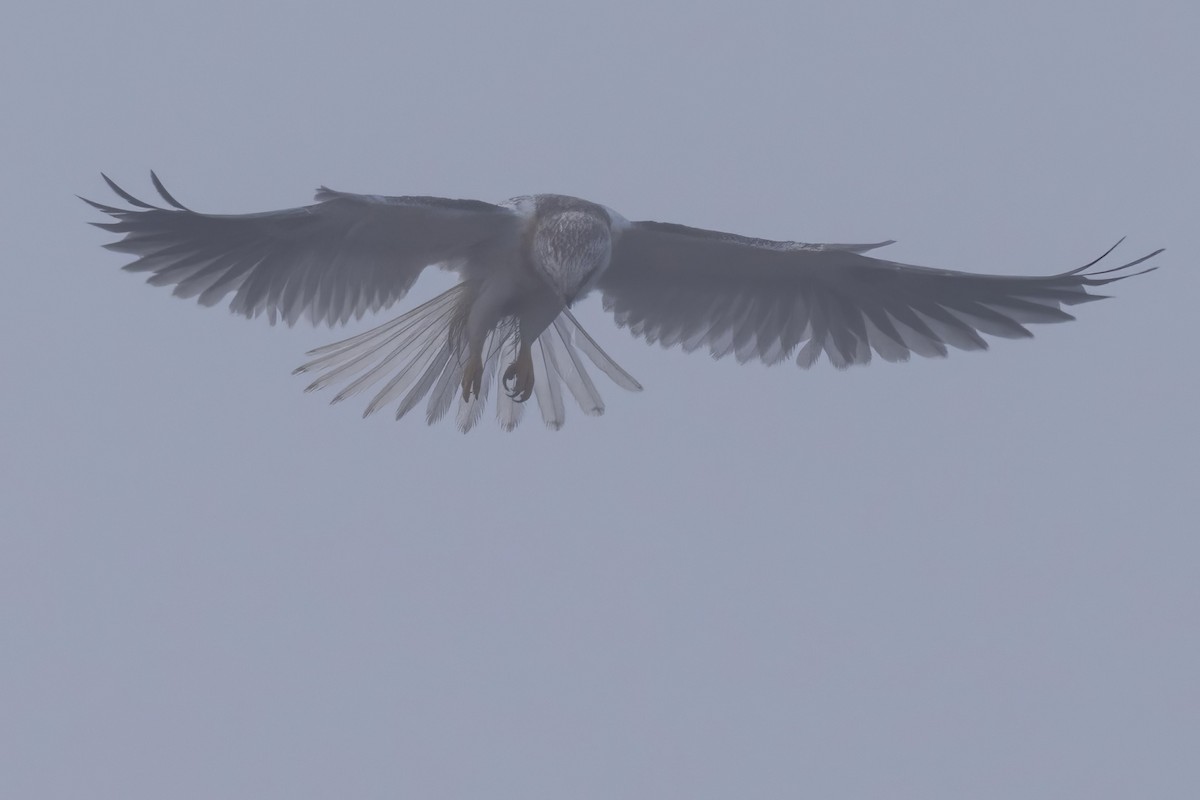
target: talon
<point>472,380</point>
<point>512,388</point>
<point>518,379</point>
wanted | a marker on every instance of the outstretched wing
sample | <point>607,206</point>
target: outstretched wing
<point>761,299</point>
<point>342,256</point>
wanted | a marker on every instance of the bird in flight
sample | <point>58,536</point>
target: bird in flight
<point>525,262</point>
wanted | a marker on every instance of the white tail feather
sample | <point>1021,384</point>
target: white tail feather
<point>419,355</point>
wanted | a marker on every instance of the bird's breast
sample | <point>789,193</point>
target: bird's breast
<point>570,248</point>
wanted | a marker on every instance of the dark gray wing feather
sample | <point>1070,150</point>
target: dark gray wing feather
<point>762,299</point>
<point>336,259</point>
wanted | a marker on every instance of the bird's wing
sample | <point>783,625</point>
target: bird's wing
<point>760,299</point>
<point>340,257</point>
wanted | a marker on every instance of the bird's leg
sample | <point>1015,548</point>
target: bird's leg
<point>518,378</point>
<point>472,381</point>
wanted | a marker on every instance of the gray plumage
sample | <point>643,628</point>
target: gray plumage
<point>523,264</point>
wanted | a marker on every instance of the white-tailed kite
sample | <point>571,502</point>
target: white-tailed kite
<point>523,263</point>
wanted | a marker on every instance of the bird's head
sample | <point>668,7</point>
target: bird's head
<point>570,250</point>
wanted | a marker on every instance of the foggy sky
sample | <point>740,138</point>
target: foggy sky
<point>962,577</point>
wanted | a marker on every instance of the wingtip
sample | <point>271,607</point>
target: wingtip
<point>162,191</point>
<point>126,196</point>
<point>1098,259</point>
<point>1117,273</point>
<point>100,206</point>
<point>1115,278</point>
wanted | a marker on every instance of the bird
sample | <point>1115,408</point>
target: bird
<point>524,263</point>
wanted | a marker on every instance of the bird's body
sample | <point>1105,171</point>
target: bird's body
<point>523,263</point>
<point>562,247</point>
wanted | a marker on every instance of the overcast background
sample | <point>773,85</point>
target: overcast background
<point>972,577</point>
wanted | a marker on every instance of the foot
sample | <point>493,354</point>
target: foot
<point>472,380</point>
<point>518,378</point>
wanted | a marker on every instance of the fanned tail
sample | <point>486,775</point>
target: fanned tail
<point>420,354</point>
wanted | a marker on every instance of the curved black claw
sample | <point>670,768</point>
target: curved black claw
<point>516,386</point>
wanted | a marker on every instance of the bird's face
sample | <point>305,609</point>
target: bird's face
<point>569,251</point>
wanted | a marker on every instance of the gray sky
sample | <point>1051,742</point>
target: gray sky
<point>972,577</point>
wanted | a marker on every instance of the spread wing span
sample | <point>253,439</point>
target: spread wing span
<point>336,259</point>
<point>761,299</point>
